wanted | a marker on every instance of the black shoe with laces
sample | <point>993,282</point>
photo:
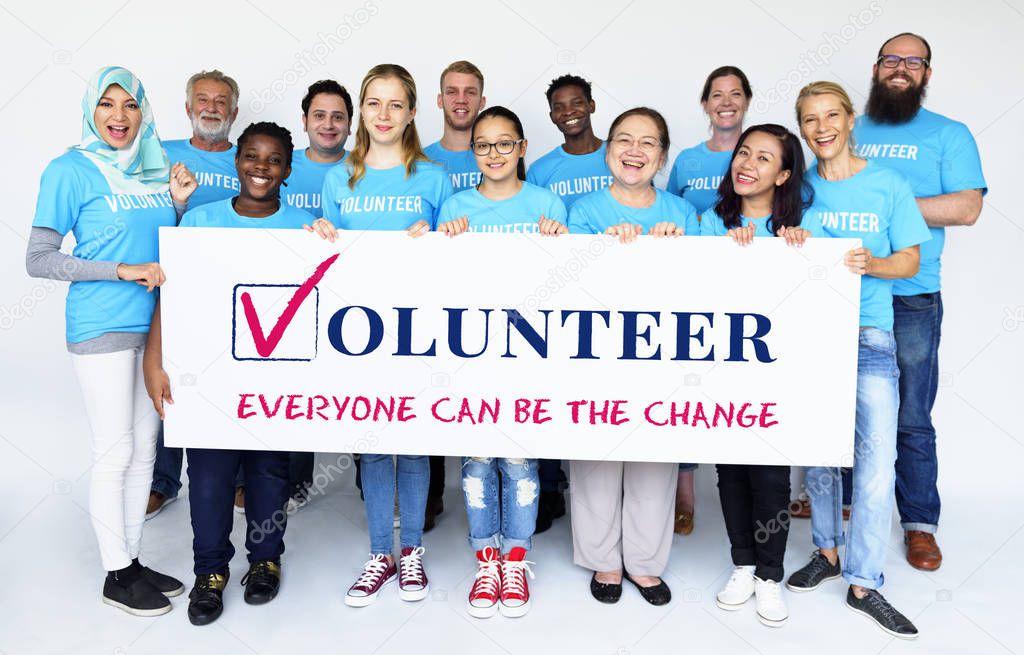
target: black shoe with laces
<point>165,584</point>
<point>262,582</point>
<point>206,600</point>
<point>817,571</point>
<point>877,608</point>
<point>128,590</point>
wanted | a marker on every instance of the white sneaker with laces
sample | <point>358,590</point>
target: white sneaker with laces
<point>771,609</point>
<point>738,590</point>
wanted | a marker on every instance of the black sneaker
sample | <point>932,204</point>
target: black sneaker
<point>877,608</point>
<point>165,584</point>
<point>817,571</point>
<point>134,595</point>
<point>262,582</point>
<point>550,506</point>
<point>206,600</point>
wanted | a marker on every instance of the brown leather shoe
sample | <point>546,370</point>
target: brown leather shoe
<point>922,551</point>
<point>157,501</point>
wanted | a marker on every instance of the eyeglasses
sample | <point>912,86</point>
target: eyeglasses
<point>912,63</point>
<point>645,144</point>
<point>504,147</point>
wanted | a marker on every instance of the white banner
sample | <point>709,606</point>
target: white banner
<point>575,347</point>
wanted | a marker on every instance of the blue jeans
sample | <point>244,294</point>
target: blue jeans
<point>917,328</point>
<point>874,471</point>
<point>211,475</point>
<point>378,477</point>
<point>504,524</point>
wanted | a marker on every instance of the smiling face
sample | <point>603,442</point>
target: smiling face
<point>385,110</point>
<point>117,117</point>
<point>210,110</point>
<point>461,100</point>
<point>901,79</point>
<point>570,110</point>
<point>327,123</point>
<point>825,126</point>
<point>261,167</point>
<point>727,103</point>
<point>757,166</point>
<point>635,153</point>
<point>501,131</point>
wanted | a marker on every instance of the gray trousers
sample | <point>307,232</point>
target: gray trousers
<point>622,515</point>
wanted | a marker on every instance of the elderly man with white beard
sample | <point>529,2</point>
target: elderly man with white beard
<point>211,103</point>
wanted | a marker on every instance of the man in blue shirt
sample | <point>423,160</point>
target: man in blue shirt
<point>327,121</point>
<point>211,103</point>
<point>461,99</point>
<point>940,159</point>
<point>578,166</point>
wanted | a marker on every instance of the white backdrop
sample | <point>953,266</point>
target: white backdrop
<point>635,52</point>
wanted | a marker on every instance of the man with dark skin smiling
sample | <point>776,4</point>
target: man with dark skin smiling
<point>940,159</point>
<point>571,170</point>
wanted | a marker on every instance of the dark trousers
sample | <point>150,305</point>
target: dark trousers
<point>300,471</point>
<point>211,475</point>
<point>436,477</point>
<point>755,503</point>
<point>552,477</point>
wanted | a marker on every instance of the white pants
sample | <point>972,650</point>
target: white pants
<point>124,430</point>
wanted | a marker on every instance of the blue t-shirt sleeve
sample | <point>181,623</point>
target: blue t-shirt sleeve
<point>60,198</point>
<point>531,175</point>
<point>449,211</point>
<point>961,162</point>
<point>444,191</point>
<point>328,199</point>
<point>691,224</point>
<point>673,177</point>
<point>556,211</point>
<point>189,219</point>
<point>906,227</point>
<point>711,225</point>
<point>579,220</point>
<point>811,222</point>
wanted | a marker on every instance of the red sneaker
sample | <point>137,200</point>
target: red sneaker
<point>377,572</point>
<point>515,592</point>
<point>412,579</point>
<point>483,597</point>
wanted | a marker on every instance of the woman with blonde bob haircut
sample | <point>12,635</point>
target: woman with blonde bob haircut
<point>387,183</point>
<point>861,199</point>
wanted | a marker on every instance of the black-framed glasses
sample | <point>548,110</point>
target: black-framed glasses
<point>893,61</point>
<point>504,147</point>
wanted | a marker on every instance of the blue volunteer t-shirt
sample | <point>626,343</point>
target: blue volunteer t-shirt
<point>386,199</point>
<point>305,185</point>
<point>596,212</point>
<point>75,197</point>
<point>937,155</point>
<point>460,164</point>
<point>215,171</point>
<point>877,206</point>
<point>696,174</point>
<point>571,176</point>
<point>518,214</point>
<point>222,214</point>
<point>712,225</point>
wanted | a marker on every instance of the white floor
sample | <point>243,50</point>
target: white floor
<point>52,580</point>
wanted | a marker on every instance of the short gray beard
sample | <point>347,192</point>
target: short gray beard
<point>214,136</point>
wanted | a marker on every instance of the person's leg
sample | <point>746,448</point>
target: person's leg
<point>139,476</point>
<point>435,493</point>
<point>685,500</point>
<point>483,508</point>
<point>377,473</point>
<point>597,516</point>
<point>769,488</point>
<point>824,488</point>
<point>737,509</point>
<point>648,499</point>
<point>107,382</point>
<point>874,459</point>
<point>166,469</point>
<point>917,327</point>
<point>551,504</point>
<point>520,487</point>
<point>266,492</point>
<point>300,471</point>
<point>413,484</point>
<point>211,482</point>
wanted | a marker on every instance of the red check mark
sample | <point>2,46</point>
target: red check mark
<point>265,344</point>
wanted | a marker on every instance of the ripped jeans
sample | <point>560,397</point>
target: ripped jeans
<point>509,523</point>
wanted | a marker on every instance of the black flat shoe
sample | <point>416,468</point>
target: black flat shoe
<point>603,592</point>
<point>659,594</point>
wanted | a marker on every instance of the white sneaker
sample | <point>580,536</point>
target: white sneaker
<point>737,590</point>
<point>771,609</point>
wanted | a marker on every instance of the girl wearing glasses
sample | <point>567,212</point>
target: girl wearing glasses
<point>622,511</point>
<point>387,163</point>
<point>501,493</point>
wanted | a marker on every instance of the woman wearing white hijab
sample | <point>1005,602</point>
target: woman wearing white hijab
<point>111,192</point>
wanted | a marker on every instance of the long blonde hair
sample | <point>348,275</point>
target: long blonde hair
<point>412,151</point>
